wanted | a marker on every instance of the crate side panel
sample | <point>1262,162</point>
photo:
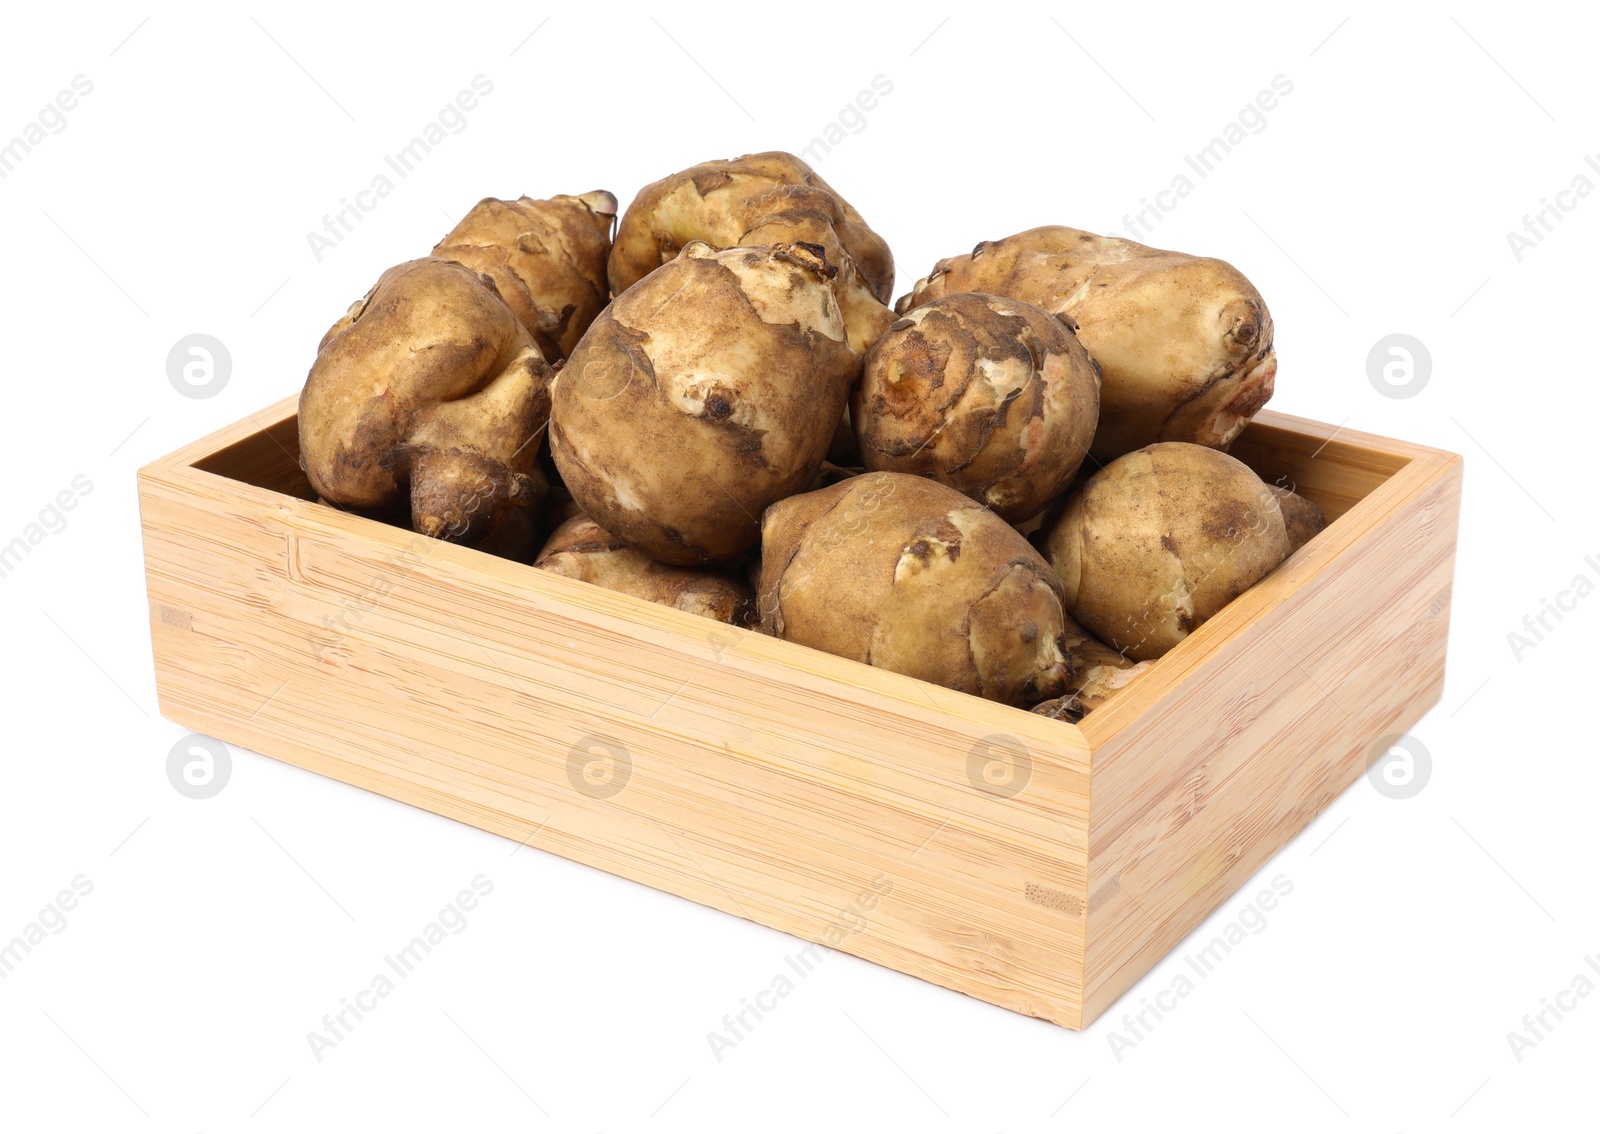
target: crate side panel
<point>269,458</point>
<point>1333,467</point>
<point>1335,479</point>
<point>788,798</point>
<point>1262,734</point>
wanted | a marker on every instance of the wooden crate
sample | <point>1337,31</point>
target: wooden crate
<point>1037,865</point>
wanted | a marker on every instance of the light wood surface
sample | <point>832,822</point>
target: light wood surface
<point>840,803</point>
<point>1249,729</point>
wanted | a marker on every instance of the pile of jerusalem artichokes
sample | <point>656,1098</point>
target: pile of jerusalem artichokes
<point>716,409</point>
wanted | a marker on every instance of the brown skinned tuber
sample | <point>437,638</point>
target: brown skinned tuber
<point>1067,709</point>
<point>759,200</point>
<point>1301,518</point>
<point>908,575</point>
<point>582,549</point>
<point>1098,671</point>
<point>428,392</point>
<point>704,393</point>
<point>517,538</point>
<point>994,397</point>
<point>1185,342</point>
<point>547,258</point>
<point>1160,540</point>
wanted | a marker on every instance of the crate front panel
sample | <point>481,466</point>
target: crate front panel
<point>839,803</point>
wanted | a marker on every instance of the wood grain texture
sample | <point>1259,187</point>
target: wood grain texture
<point>1038,865</point>
<point>767,780</point>
<point>1266,714</point>
<point>1336,468</point>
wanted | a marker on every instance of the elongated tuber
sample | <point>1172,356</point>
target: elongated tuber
<point>427,392</point>
<point>1185,342</point>
<point>582,549</point>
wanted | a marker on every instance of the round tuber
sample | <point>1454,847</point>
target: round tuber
<point>993,397</point>
<point>1301,518</point>
<point>704,393</point>
<point>908,575</point>
<point>1160,540</point>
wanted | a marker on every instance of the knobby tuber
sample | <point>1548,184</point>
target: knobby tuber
<point>547,258</point>
<point>994,397</point>
<point>1185,342</point>
<point>908,575</point>
<point>428,392</point>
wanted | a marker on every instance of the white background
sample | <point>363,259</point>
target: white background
<point>218,932</point>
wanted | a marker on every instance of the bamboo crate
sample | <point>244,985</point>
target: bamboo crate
<point>1037,865</point>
